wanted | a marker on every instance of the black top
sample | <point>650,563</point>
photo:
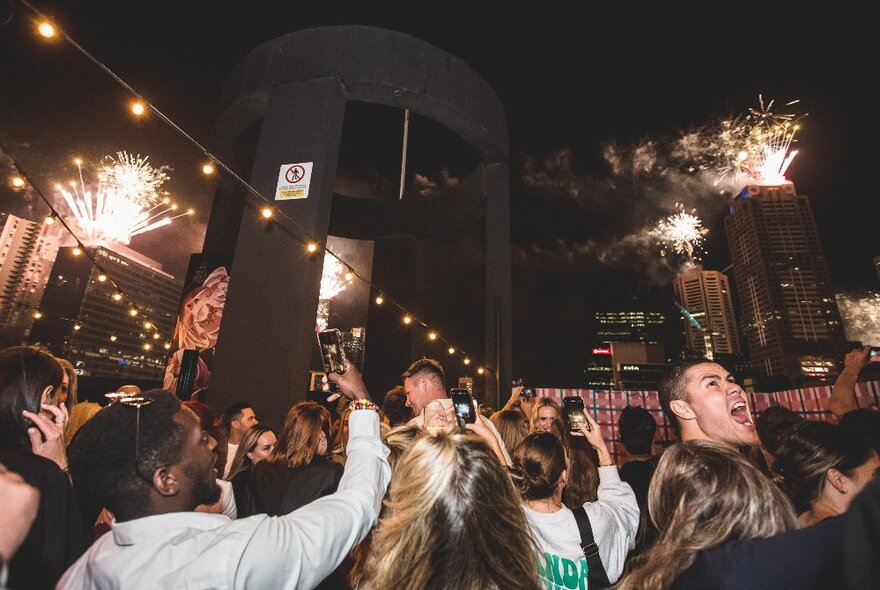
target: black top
<point>638,475</point>
<point>57,537</point>
<point>800,560</point>
<point>861,544</point>
<point>240,489</point>
<point>276,489</point>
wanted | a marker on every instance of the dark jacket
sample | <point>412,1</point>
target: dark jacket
<point>57,537</point>
<point>276,489</point>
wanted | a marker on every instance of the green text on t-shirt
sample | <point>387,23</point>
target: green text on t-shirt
<point>560,573</point>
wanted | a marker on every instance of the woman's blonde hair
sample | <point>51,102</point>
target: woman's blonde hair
<point>453,520</point>
<point>241,461</point>
<point>701,495</point>
<point>301,434</point>
<point>560,424</point>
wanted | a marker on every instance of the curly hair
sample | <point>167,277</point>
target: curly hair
<point>103,461</point>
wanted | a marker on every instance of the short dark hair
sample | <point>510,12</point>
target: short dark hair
<point>25,371</point>
<point>426,367</point>
<point>864,423</point>
<point>774,425</point>
<point>395,408</point>
<point>232,414</point>
<point>672,387</point>
<point>637,428</point>
<point>102,454</point>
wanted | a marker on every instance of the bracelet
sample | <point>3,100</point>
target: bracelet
<point>362,404</point>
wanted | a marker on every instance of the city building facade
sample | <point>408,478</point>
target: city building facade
<point>788,313</point>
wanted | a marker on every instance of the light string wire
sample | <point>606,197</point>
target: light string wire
<point>250,189</point>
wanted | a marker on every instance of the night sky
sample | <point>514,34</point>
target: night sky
<point>572,85</point>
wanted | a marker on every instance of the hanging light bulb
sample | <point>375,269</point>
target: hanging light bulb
<point>407,319</point>
<point>138,108</point>
<point>102,278</point>
<point>77,327</point>
<point>117,297</point>
<point>208,168</point>
<point>38,314</point>
<point>480,370</point>
<point>380,299</point>
<point>451,350</point>
<point>266,212</point>
<point>133,312</point>
<point>312,247</point>
<point>432,335</point>
<point>113,337</point>
<point>46,29</point>
<point>467,361</point>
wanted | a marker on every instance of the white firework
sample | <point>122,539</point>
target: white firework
<point>126,201</point>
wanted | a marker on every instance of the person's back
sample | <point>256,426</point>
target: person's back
<point>452,520</point>
<point>298,470</point>
<point>637,429</point>
<point>540,470</point>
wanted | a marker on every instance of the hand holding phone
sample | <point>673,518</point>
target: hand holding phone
<point>332,355</point>
<point>874,355</point>
<point>463,403</point>
<point>574,411</point>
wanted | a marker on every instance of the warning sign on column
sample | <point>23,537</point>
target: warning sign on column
<point>293,181</point>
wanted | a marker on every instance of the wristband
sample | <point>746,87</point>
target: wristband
<point>362,404</point>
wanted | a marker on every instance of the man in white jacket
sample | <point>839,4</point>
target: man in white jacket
<point>152,470</point>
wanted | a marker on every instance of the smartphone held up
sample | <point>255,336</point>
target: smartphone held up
<point>463,404</point>
<point>574,411</point>
<point>332,354</point>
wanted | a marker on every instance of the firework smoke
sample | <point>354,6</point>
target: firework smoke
<point>126,200</point>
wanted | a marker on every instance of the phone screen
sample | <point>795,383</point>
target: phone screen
<point>874,355</point>
<point>332,356</point>
<point>574,411</point>
<point>463,404</point>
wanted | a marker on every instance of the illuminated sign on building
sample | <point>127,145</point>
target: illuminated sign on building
<point>602,351</point>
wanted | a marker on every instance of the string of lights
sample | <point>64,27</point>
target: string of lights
<point>140,107</point>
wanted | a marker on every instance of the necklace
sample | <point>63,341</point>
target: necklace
<point>544,505</point>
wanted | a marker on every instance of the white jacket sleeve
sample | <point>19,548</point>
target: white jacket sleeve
<point>300,549</point>
<point>614,519</point>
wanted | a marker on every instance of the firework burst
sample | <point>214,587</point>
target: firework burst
<point>333,282</point>
<point>755,146</point>
<point>682,232</point>
<point>127,200</point>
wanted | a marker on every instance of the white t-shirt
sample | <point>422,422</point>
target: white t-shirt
<point>614,519</point>
<point>231,449</point>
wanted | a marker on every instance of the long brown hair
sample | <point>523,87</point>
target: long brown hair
<point>450,507</point>
<point>301,435</point>
<point>241,461</point>
<point>511,426</point>
<point>703,494</point>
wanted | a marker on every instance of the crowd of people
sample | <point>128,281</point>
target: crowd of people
<point>153,492</point>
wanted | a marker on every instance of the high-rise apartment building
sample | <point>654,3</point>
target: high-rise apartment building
<point>789,316</point>
<point>705,295</point>
<point>86,321</point>
<point>27,252</point>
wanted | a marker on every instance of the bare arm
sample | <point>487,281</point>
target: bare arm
<point>843,393</point>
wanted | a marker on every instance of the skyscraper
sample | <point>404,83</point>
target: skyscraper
<point>705,294</point>
<point>86,322</point>
<point>789,316</point>
<point>27,252</point>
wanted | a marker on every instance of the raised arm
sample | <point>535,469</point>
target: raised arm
<point>843,393</point>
